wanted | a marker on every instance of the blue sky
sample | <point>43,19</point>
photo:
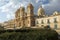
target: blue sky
<point>8,7</point>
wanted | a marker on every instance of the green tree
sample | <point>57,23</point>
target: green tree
<point>30,34</point>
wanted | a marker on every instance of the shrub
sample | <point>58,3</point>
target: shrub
<point>30,34</point>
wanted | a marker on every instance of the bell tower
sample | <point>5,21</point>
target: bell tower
<point>30,15</point>
<point>20,17</point>
<point>17,17</point>
<point>22,12</point>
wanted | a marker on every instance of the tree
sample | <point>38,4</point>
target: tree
<point>30,34</point>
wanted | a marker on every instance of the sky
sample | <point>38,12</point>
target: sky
<point>9,7</point>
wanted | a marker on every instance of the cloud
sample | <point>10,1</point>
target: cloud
<point>0,21</point>
<point>12,5</point>
<point>8,7</point>
<point>37,1</point>
<point>3,2</point>
<point>8,16</point>
<point>52,6</point>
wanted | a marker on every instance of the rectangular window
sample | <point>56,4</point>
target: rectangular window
<point>42,22</point>
<point>37,22</point>
<point>33,23</point>
<point>55,21</point>
<point>55,26</point>
<point>48,26</point>
<point>48,21</point>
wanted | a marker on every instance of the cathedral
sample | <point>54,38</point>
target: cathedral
<point>25,17</point>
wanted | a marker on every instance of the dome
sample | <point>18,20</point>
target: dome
<point>41,11</point>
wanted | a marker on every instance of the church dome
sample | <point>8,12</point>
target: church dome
<point>41,11</point>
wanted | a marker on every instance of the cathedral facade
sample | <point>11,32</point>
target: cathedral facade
<point>23,18</point>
